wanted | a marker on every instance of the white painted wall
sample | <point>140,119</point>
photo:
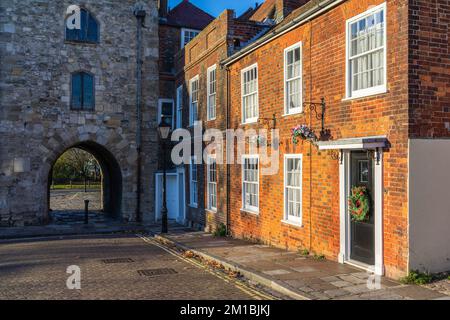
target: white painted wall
<point>429,204</point>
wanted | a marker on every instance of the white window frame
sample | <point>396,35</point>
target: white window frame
<point>243,71</point>
<point>299,109</point>
<point>179,111</point>
<point>193,162</point>
<point>251,209</point>
<point>183,31</point>
<point>208,89</point>
<point>288,218</point>
<point>193,121</point>
<point>208,194</point>
<point>350,94</point>
<point>160,102</point>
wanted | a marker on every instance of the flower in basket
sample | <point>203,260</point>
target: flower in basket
<point>303,132</point>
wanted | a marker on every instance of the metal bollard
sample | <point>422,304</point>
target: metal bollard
<point>86,211</point>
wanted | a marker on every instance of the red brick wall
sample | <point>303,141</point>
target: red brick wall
<point>170,42</point>
<point>324,75</point>
<point>207,49</point>
<point>211,46</point>
<point>429,73</point>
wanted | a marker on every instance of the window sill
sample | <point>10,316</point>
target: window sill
<point>293,224</point>
<point>193,205</point>
<point>212,119</point>
<point>249,122</point>
<point>368,95</point>
<point>78,42</point>
<point>293,114</point>
<point>211,210</point>
<point>255,213</point>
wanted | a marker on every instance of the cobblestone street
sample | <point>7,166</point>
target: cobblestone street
<point>36,269</point>
<point>73,199</point>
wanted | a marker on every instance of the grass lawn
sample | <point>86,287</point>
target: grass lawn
<point>74,186</point>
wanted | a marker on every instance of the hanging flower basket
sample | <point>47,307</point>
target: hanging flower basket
<point>359,204</point>
<point>303,132</point>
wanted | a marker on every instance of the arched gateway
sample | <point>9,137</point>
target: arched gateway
<point>112,178</point>
<point>80,91</point>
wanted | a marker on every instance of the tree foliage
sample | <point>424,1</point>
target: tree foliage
<point>76,165</point>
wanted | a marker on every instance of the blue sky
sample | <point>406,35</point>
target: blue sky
<point>215,7</point>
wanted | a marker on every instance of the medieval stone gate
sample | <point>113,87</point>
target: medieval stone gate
<point>60,90</point>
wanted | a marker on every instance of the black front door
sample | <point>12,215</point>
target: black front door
<point>362,234</point>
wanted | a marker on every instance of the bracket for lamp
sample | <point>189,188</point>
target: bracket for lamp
<point>313,106</point>
<point>271,123</point>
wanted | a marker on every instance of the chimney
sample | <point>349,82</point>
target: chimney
<point>162,7</point>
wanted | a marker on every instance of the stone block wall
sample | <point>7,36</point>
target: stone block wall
<point>36,122</point>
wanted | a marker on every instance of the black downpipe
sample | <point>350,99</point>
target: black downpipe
<point>227,116</point>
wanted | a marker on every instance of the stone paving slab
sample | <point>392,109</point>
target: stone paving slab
<point>294,275</point>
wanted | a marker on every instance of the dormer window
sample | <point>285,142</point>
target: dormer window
<point>88,31</point>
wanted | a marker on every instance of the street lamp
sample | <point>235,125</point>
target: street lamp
<point>164,129</point>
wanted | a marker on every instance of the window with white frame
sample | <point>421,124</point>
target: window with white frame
<point>366,53</point>
<point>249,87</point>
<point>212,80</point>
<point>193,182</point>
<point>179,107</point>
<point>293,188</point>
<point>165,108</point>
<point>193,100</point>
<point>187,35</point>
<point>250,183</point>
<point>293,79</point>
<point>212,182</point>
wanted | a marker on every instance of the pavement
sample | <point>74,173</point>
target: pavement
<point>111,267</point>
<point>297,276</point>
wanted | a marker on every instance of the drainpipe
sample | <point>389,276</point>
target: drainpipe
<point>139,13</point>
<point>227,117</point>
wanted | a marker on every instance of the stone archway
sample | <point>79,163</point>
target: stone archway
<point>112,178</point>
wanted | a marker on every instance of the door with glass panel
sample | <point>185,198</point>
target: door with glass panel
<point>362,233</point>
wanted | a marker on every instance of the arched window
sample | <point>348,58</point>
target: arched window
<point>88,32</point>
<point>83,97</point>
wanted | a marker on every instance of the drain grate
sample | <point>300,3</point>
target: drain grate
<point>156,272</point>
<point>118,260</point>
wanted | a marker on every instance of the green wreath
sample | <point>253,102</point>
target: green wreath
<point>359,203</point>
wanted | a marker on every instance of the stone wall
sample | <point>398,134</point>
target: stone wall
<point>36,122</point>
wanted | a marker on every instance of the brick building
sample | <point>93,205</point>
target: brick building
<point>382,70</point>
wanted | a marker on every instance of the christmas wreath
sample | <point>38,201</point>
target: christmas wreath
<point>359,203</point>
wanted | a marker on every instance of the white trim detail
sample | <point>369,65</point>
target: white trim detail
<point>209,94</point>
<point>210,183</point>
<point>192,183</point>
<point>299,109</point>
<point>160,102</point>
<point>193,121</point>
<point>349,93</point>
<point>289,218</point>
<point>183,31</point>
<point>179,104</point>
<point>181,217</point>
<point>248,208</point>
<point>254,119</point>
<point>344,221</point>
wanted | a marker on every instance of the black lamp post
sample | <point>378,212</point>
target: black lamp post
<point>164,129</point>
